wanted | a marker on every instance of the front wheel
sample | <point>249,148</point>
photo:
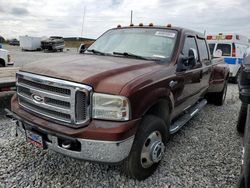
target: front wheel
<point>148,148</point>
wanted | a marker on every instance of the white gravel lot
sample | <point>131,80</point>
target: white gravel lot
<point>204,153</point>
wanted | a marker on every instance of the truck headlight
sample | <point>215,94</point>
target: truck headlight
<point>110,107</point>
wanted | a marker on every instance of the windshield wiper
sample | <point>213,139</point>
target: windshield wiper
<point>97,52</point>
<point>128,54</point>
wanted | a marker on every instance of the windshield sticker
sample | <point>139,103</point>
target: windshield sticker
<point>165,34</point>
<point>160,56</point>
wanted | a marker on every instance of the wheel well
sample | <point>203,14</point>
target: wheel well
<point>2,62</point>
<point>161,109</point>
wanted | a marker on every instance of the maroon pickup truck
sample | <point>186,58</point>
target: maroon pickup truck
<point>122,99</point>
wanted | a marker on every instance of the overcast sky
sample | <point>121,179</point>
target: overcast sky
<point>65,17</point>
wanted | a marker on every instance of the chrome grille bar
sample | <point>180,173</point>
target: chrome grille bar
<point>54,99</point>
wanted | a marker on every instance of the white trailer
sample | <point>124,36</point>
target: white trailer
<point>30,43</point>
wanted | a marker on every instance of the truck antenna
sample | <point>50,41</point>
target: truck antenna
<point>83,19</point>
<point>131,17</point>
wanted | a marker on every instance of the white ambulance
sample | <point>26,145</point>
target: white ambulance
<point>233,47</point>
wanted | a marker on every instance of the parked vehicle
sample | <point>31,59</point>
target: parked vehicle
<point>14,42</point>
<point>233,47</point>
<point>121,100</point>
<point>30,43</point>
<point>82,48</point>
<point>54,43</point>
<point>5,58</point>
<point>244,120</point>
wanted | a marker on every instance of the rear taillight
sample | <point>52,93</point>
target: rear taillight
<point>234,51</point>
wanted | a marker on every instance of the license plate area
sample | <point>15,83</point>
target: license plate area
<point>34,138</point>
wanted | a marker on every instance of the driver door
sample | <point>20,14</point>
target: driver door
<point>191,78</point>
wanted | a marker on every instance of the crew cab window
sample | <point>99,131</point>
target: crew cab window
<point>189,43</point>
<point>225,48</point>
<point>211,48</point>
<point>202,49</point>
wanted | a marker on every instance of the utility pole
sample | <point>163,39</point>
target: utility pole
<point>131,17</point>
<point>83,19</point>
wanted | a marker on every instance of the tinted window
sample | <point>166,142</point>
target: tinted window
<point>211,48</point>
<point>189,43</point>
<point>202,49</point>
<point>225,48</point>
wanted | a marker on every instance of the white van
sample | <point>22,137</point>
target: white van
<point>233,47</point>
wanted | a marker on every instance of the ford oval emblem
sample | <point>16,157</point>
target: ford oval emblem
<point>37,99</point>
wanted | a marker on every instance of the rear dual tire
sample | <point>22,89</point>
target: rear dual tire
<point>218,98</point>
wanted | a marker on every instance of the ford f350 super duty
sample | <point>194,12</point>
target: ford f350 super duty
<point>120,101</point>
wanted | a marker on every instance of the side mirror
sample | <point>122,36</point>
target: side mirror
<point>185,63</point>
<point>192,58</point>
<point>82,48</point>
<point>217,54</point>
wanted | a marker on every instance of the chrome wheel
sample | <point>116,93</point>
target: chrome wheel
<point>153,150</point>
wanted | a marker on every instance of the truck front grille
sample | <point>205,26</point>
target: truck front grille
<point>57,100</point>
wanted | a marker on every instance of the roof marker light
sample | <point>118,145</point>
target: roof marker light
<point>169,25</point>
<point>151,25</point>
<point>141,24</point>
<point>229,37</point>
<point>119,26</point>
<point>209,37</point>
<point>131,25</point>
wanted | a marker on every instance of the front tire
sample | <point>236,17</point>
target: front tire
<point>148,148</point>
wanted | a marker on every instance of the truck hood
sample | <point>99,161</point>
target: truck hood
<point>104,73</point>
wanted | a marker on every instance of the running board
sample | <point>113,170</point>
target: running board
<point>188,114</point>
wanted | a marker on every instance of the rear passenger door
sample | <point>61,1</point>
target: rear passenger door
<point>205,61</point>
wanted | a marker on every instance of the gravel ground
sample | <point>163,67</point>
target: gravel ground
<point>204,153</point>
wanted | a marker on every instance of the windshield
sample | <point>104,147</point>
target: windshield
<point>148,43</point>
<point>225,48</point>
<point>211,48</point>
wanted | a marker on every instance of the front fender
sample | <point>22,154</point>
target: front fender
<point>140,104</point>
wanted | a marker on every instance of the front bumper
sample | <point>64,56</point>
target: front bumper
<point>87,149</point>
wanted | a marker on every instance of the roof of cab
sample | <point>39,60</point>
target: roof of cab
<point>179,29</point>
